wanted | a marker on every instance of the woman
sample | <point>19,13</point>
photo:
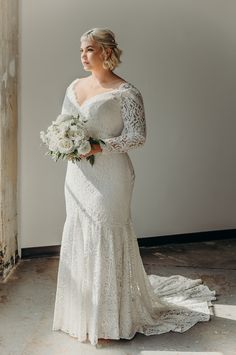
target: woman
<point>103,291</point>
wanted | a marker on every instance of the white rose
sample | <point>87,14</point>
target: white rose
<point>52,132</point>
<point>63,117</point>
<point>85,131</point>
<point>51,136</point>
<point>64,126</point>
<point>84,147</point>
<point>53,145</point>
<point>61,135</point>
<point>78,135</point>
<point>65,145</point>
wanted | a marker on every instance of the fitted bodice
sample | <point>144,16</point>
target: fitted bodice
<point>116,116</point>
<point>101,113</point>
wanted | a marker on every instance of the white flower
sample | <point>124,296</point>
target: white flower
<point>43,137</point>
<point>64,126</point>
<point>78,135</point>
<point>53,145</point>
<point>65,145</point>
<point>62,118</point>
<point>80,124</point>
<point>66,135</point>
<point>53,130</point>
<point>84,147</point>
<point>61,134</point>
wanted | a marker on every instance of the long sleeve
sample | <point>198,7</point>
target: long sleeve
<point>68,107</point>
<point>133,133</point>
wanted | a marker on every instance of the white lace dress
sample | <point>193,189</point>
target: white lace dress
<point>103,290</point>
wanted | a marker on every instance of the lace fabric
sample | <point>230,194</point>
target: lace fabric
<point>103,290</point>
<point>133,134</point>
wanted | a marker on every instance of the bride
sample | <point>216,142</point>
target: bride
<point>103,291</point>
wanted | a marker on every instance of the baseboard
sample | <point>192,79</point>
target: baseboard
<point>38,252</point>
<point>54,250</point>
<point>187,237</point>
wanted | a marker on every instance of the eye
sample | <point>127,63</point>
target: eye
<point>88,49</point>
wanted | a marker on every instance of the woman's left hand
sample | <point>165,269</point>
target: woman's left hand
<point>96,148</point>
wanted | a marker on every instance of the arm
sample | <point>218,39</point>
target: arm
<point>133,134</point>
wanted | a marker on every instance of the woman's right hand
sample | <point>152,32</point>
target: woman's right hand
<point>96,148</point>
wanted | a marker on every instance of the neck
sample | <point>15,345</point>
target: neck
<point>101,76</point>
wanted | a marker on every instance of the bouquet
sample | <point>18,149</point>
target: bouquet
<point>67,138</point>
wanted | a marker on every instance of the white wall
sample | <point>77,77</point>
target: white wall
<point>181,54</point>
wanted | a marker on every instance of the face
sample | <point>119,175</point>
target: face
<point>91,55</point>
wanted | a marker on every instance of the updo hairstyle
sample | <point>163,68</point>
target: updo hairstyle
<point>105,38</point>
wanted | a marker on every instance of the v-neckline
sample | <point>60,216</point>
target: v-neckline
<point>94,96</point>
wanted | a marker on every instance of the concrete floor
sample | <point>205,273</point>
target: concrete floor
<point>27,300</point>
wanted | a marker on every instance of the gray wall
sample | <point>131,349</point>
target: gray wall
<point>181,54</point>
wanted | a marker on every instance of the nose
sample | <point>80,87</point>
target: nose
<point>83,55</point>
<point>83,58</point>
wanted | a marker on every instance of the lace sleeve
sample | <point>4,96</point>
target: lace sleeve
<point>133,133</point>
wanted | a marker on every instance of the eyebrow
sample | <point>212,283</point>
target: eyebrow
<point>88,47</point>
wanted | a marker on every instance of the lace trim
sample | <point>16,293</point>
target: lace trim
<point>73,92</point>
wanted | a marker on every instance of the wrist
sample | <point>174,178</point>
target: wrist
<point>96,148</point>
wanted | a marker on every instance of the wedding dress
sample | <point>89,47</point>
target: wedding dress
<point>103,290</point>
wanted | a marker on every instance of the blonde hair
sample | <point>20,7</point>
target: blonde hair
<point>105,38</point>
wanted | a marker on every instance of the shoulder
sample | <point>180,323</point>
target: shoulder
<point>129,90</point>
<point>77,81</point>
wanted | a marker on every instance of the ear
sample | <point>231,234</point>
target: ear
<point>108,52</point>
